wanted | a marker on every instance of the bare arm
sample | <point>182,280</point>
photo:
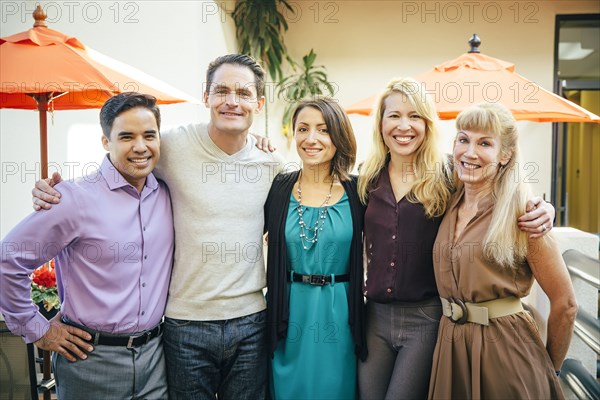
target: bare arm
<point>537,221</point>
<point>551,273</point>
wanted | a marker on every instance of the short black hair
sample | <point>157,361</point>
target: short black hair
<point>126,101</point>
<point>242,60</point>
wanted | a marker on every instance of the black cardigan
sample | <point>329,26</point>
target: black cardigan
<point>276,208</point>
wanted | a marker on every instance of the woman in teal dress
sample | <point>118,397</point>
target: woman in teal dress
<point>314,221</point>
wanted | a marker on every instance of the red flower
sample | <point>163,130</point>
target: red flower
<point>43,286</point>
<point>45,275</point>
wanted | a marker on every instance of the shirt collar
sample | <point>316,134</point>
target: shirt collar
<point>115,180</point>
<point>384,177</point>
<point>483,205</point>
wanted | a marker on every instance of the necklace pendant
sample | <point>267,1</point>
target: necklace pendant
<point>308,241</point>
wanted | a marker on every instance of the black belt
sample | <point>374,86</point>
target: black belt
<point>109,339</point>
<point>317,280</point>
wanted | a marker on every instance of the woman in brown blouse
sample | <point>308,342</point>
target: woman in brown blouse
<point>488,346</point>
<point>406,183</point>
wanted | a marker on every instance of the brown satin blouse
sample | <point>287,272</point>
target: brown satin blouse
<point>399,241</point>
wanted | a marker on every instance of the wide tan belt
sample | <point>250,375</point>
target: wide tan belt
<point>460,312</point>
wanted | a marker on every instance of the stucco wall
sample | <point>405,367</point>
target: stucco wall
<point>364,44</point>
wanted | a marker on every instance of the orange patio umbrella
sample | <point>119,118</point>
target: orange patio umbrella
<point>43,69</point>
<point>474,77</point>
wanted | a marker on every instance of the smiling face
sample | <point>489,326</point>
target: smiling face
<point>402,128</point>
<point>313,142</point>
<point>477,157</point>
<point>232,99</point>
<point>134,145</point>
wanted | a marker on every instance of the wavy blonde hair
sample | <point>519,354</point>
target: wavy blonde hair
<point>504,242</point>
<point>432,187</point>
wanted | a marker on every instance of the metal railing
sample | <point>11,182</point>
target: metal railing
<point>587,328</point>
<point>585,268</point>
<point>582,267</point>
<point>579,380</point>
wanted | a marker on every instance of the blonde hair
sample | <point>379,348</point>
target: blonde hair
<point>504,242</point>
<point>432,188</point>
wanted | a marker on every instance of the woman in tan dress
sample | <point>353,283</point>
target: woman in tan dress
<point>488,347</point>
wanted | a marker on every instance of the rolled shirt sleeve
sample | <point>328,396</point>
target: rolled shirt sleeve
<point>40,237</point>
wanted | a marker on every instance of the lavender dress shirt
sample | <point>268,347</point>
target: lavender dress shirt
<point>114,252</point>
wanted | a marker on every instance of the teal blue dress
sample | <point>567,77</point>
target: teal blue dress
<point>317,360</point>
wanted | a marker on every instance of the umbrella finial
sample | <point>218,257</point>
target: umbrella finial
<point>40,17</point>
<point>474,42</point>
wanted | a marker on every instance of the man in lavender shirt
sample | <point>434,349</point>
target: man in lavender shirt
<point>112,238</point>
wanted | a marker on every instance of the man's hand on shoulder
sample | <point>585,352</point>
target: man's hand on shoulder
<point>264,143</point>
<point>44,194</point>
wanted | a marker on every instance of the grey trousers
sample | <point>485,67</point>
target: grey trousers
<point>401,338</point>
<point>114,372</point>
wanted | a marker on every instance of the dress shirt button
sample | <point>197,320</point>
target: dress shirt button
<point>371,246</point>
<point>146,257</point>
<point>143,312</point>
<point>394,237</point>
<point>392,264</point>
<point>368,261</point>
<point>389,290</point>
<point>144,284</point>
<point>144,229</point>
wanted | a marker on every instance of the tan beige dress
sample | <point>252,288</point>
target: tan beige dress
<point>504,360</point>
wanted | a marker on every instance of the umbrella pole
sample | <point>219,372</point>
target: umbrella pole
<point>42,102</point>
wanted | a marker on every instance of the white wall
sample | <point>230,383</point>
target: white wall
<point>173,41</point>
<point>364,44</point>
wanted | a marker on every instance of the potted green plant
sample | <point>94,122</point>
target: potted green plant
<point>260,25</point>
<point>310,81</point>
<point>259,30</point>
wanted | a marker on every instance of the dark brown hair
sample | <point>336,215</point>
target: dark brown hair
<point>340,130</point>
<point>243,61</point>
